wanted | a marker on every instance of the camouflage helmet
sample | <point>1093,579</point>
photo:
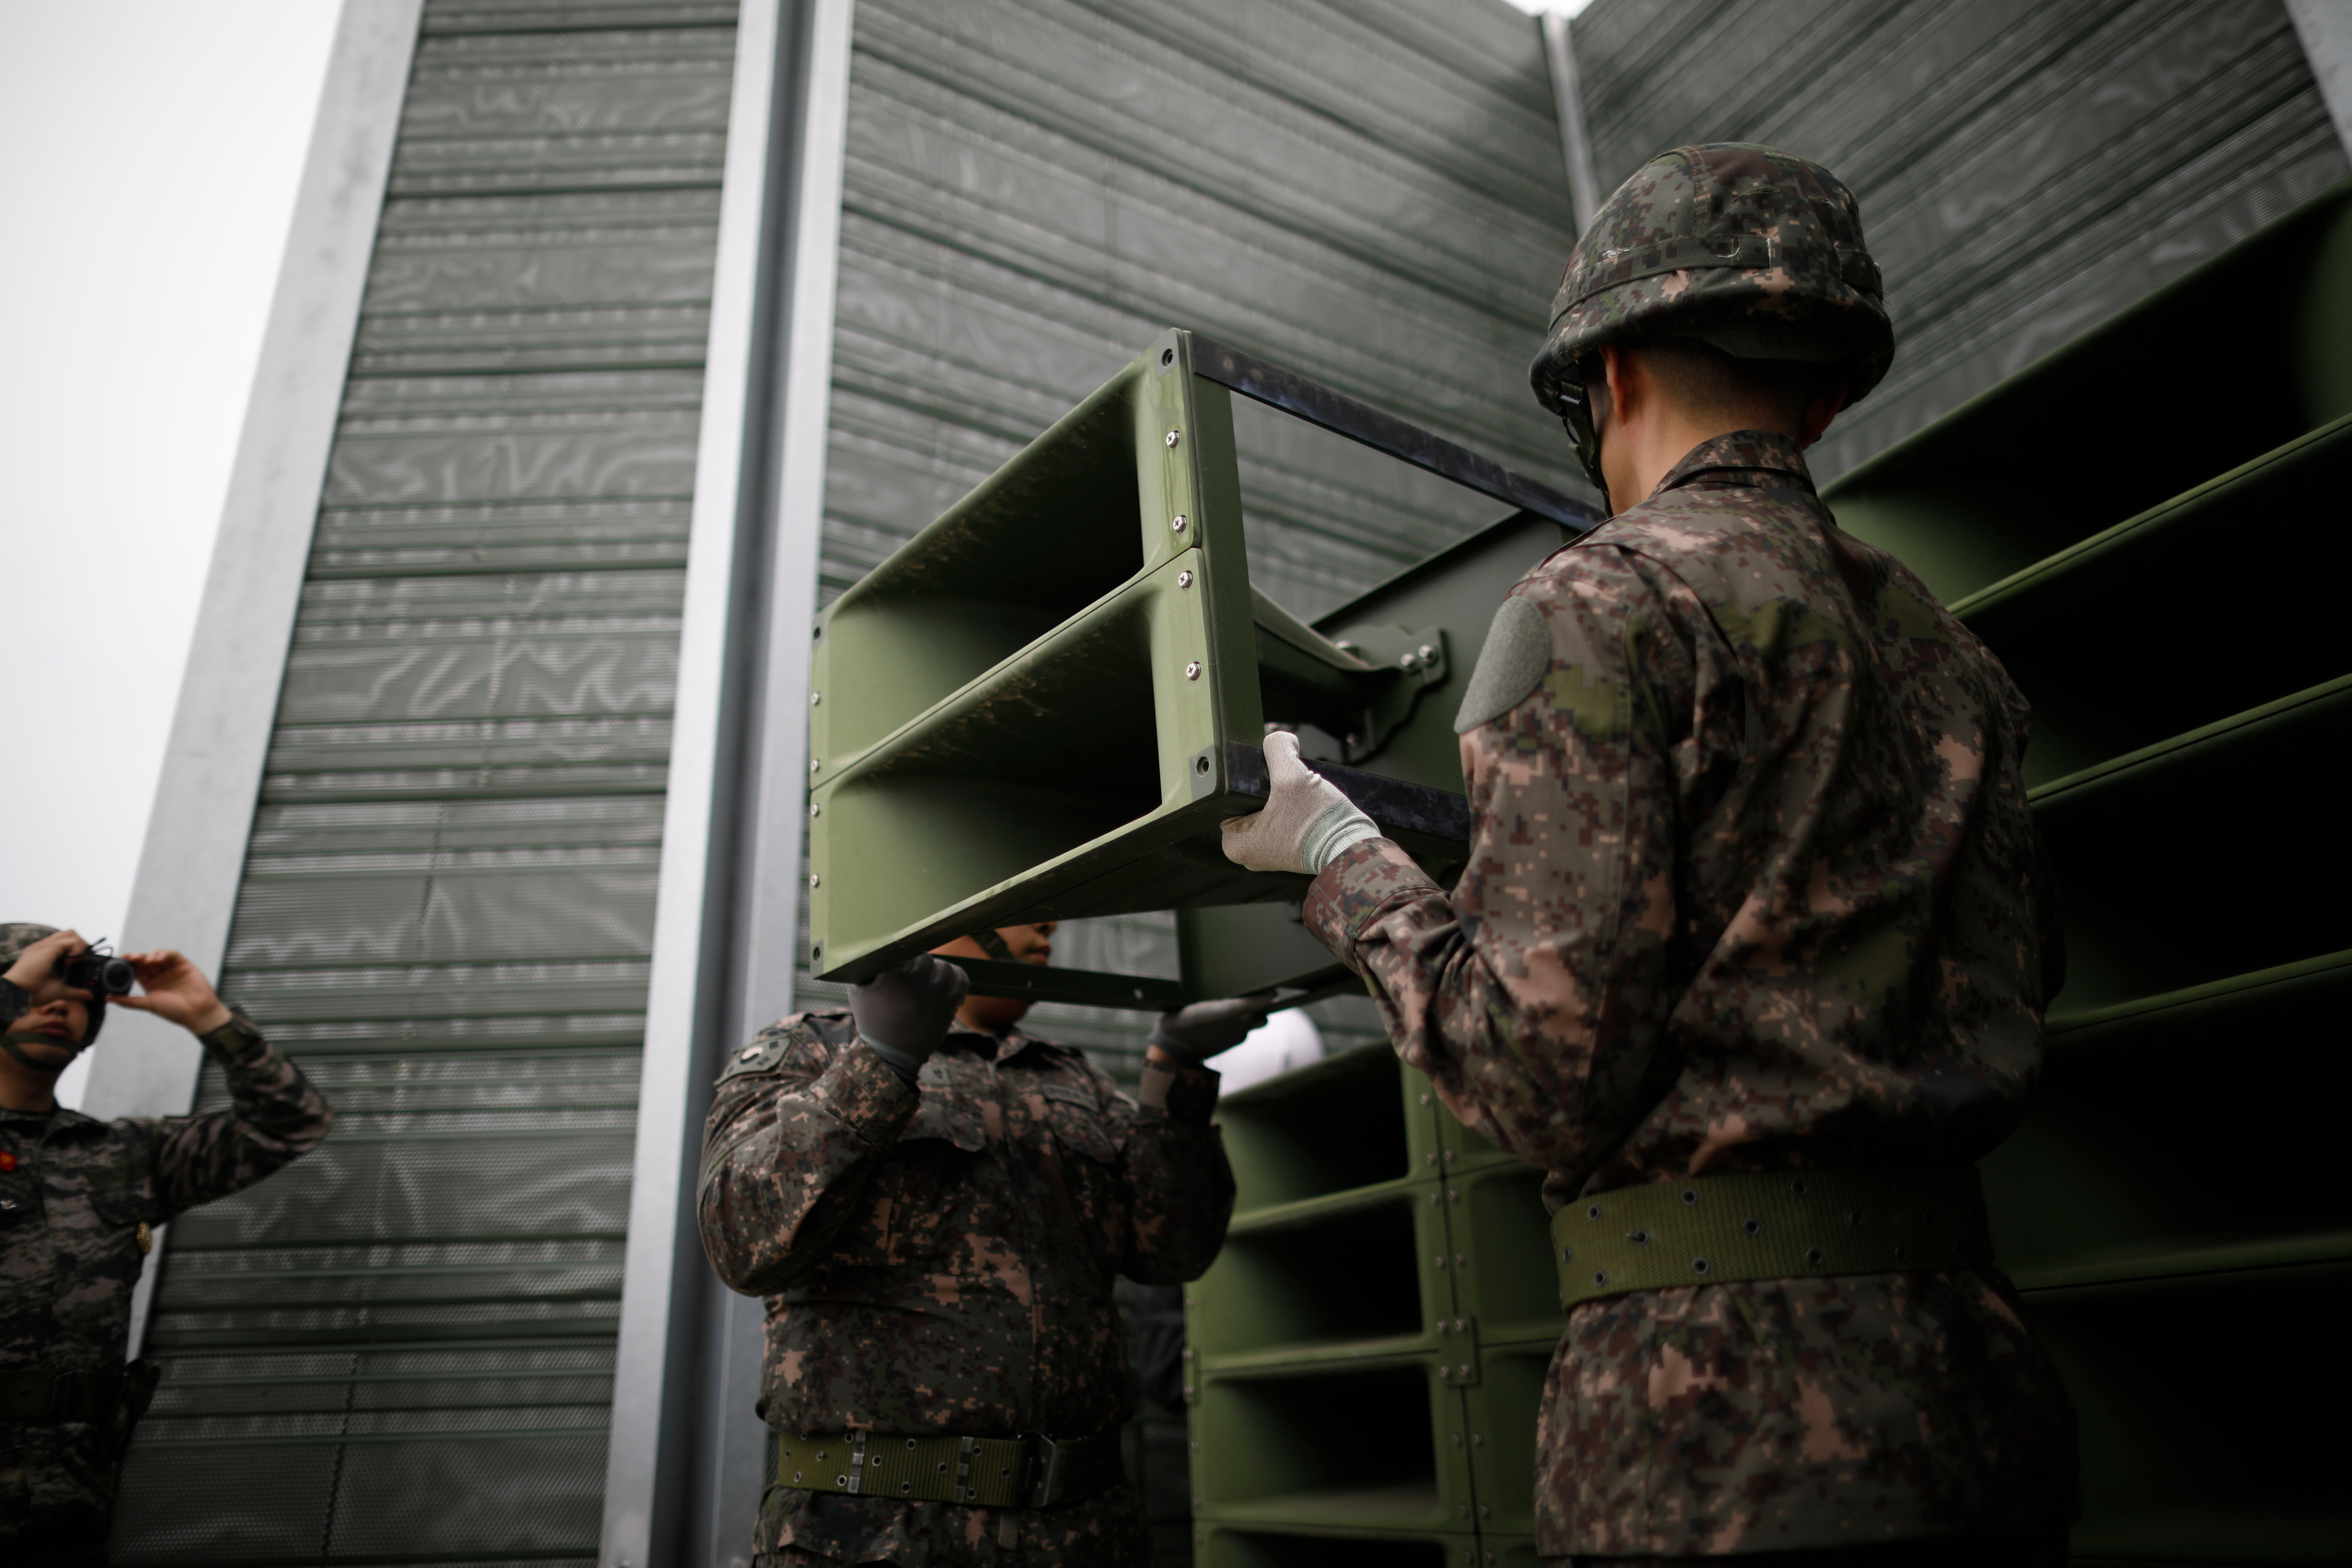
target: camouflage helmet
<point>1750,248</point>
<point>16,936</point>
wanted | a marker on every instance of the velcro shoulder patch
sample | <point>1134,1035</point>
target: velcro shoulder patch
<point>1515,658</point>
<point>761,1055</point>
<point>779,1047</point>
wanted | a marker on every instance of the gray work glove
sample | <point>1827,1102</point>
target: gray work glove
<point>1307,823</point>
<point>1195,1034</point>
<point>904,1012</point>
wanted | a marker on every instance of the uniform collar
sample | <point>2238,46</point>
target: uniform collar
<point>56,1119</point>
<point>1755,460</point>
<point>998,1048</point>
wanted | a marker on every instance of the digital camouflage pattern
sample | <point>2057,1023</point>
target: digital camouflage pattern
<point>938,1258</point>
<point>1758,250</point>
<point>1752,887</point>
<point>74,1193</point>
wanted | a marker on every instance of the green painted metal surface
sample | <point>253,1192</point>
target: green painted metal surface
<point>1368,1352</point>
<point>2167,598</point>
<point>1042,705</point>
<point>1455,594</point>
<point>1007,713</point>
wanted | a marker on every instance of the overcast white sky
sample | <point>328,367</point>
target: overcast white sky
<point>149,152</point>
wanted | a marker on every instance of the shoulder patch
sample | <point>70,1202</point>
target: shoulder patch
<point>1517,655</point>
<point>763,1054</point>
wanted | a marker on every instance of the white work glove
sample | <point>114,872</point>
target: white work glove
<point>1307,823</point>
<point>904,1012</point>
<point>1195,1034</point>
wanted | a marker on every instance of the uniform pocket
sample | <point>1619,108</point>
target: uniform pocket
<point>1081,1128</point>
<point>915,1200</point>
<point>124,1206</point>
<point>19,1204</point>
<point>953,1087</point>
<point>120,1212</point>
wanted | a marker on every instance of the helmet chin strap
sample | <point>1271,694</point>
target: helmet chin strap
<point>8,1043</point>
<point>993,945</point>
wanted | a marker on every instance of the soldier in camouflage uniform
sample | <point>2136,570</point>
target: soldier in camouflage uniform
<point>79,1200</point>
<point>1754,908</point>
<point>934,1204</point>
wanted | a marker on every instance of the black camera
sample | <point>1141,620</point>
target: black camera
<point>96,971</point>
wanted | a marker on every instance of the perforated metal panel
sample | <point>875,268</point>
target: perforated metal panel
<point>401,1349</point>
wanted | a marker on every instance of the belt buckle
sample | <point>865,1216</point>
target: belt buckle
<point>1049,1470</point>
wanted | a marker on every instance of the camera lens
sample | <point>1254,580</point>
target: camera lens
<point>102,975</point>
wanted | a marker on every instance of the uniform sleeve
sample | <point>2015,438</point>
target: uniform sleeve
<point>1179,1185</point>
<point>789,1147</point>
<point>275,1116</point>
<point>1536,996</point>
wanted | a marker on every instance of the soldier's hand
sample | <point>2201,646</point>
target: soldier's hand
<point>34,969</point>
<point>1306,822</point>
<point>1195,1034</point>
<point>904,1012</point>
<point>176,989</point>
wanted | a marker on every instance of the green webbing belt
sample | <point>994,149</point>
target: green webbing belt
<point>1709,1229</point>
<point>984,1472</point>
<point>37,1395</point>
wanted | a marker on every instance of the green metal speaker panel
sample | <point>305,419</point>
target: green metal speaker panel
<point>1051,665</point>
<point>1042,705</point>
<point>1367,1354</point>
<point>1454,593</point>
<point>2163,586</point>
<point>2126,417</point>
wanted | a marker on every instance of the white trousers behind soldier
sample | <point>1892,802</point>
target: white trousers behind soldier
<point>81,1200</point>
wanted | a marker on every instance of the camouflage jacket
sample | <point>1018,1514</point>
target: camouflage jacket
<point>1752,887</point>
<point>938,1259</point>
<point>79,1198</point>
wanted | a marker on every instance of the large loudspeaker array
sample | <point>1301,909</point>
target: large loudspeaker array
<point>1042,705</point>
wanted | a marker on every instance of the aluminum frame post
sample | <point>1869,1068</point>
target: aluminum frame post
<point>684,1468</point>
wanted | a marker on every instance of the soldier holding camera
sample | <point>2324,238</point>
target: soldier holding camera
<point>79,1200</point>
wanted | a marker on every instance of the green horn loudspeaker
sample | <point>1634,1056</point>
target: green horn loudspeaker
<point>1042,705</point>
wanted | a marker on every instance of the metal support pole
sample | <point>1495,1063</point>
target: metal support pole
<point>649,1461</point>
<point>683,1473</point>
